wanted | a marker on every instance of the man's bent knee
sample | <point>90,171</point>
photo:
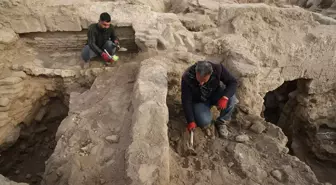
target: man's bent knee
<point>203,120</point>
<point>86,53</point>
<point>110,47</point>
<point>233,101</point>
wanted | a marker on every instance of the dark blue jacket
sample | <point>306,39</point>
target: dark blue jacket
<point>192,92</point>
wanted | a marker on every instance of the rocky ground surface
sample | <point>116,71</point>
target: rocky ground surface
<point>257,155</point>
<point>118,131</point>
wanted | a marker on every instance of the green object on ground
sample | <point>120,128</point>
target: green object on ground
<point>115,57</point>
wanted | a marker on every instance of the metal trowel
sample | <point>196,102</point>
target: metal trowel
<point>190,145</point>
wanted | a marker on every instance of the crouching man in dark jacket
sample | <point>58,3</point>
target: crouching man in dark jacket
<point>204,85</point>
<point>101,36</point>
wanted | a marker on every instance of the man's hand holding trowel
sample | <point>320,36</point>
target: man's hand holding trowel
<point>191,127</point>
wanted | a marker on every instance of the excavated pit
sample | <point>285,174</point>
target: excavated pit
<point>62,50</point>
<point>275,101</point>
<point>280,109</point>
<point>210,164</point>
<point>25,160</point>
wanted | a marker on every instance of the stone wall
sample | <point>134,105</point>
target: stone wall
<point>148,155</point>
<point>20,99</point>
<point>151,28</point>
<point>75,40</point>
<point>265,46</point>
<point>120,123</point>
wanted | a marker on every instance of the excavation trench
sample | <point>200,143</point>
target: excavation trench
<point>227,161</point>
<point>25,160</point>
<point>281,109</point>
<point>210,164</point>
<point>62,50</point>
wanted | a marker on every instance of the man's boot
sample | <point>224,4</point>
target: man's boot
<point>84,65</point>
<point>222,128</point>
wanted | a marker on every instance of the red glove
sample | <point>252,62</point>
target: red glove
<point>105,57</point>
<point>222,103</point>
<point>191,126</point>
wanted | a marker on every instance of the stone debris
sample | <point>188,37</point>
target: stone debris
<point>258,127</point>
<point>84,149</point>
<point>28,176</point>
<point>277,175</point>
<point>113,138</point>
<point>102,181</point>
<point>40,114</point>
<point>230,164</point>
<point>242,138</point>
<point>41,128</point>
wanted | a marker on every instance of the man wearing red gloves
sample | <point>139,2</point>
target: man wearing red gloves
<point>101,36</point>
<point>204,85</point>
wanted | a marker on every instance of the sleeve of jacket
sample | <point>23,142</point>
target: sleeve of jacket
<point>92,42</point>
<point>113,35</point>
<point>229,81</point>
<point>186,96</point>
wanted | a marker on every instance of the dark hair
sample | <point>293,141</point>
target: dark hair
<point>204,68</point>
<point>105,17</point>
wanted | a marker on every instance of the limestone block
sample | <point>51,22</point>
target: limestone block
<point>258,127</point>
<point>12,87</point>
<point>148,155</point>
<point>20,74</point>
<point>242,69</point>
<point>179,6</point>
<point>162,43</point>
<point>156,5</point>
<point>190,43</point>
<point>292,72</point>
<point>324,19</point>
<point>152,166</point>
<point>277,175</point>
<point>196,22</point>
<point>248,160</point>
<point>63,22</point>
<point>11,92</point>
<point>6,108</point>
<point>27,24</point>
<point>5,181</point>
<point>276,132</point>
<point>168,35</point>
<point>4,101</point>
<point>7,36</point>
<point>242,138</point>
<point>10,81</point>
<point>178,39</point>
<point>152,72</point>
<point>268,144</point>
<point>8,135</point>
